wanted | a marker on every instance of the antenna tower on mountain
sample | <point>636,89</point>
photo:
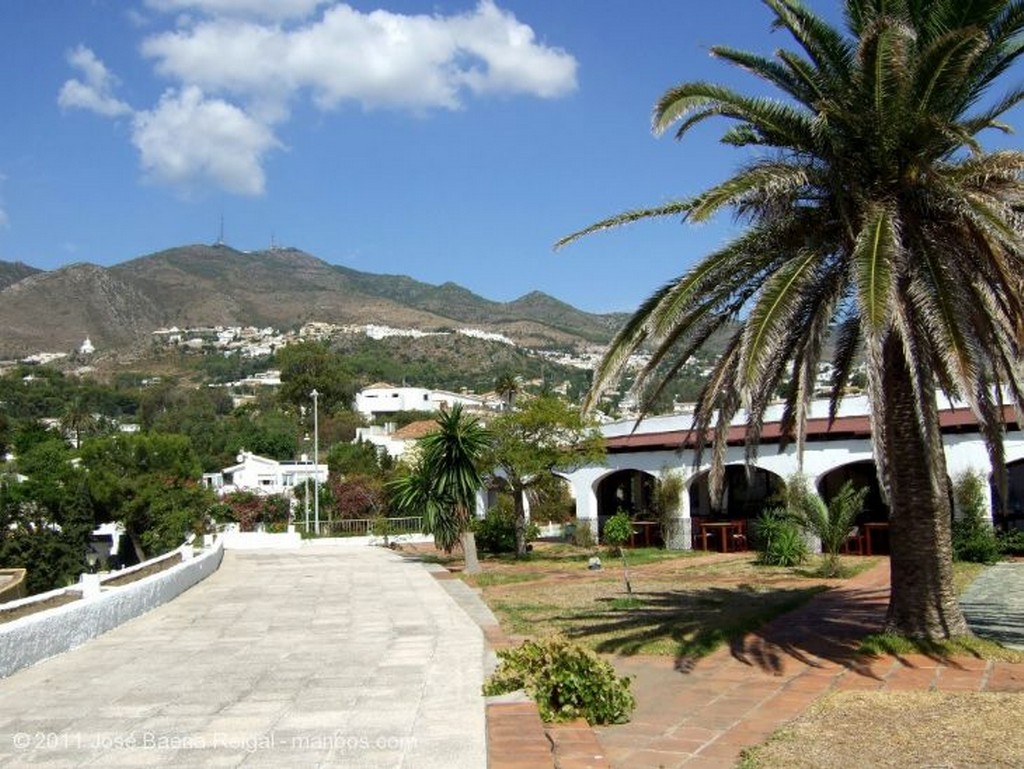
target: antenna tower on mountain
<point>220,235</point>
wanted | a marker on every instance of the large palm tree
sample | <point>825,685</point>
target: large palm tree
<point>875,222</point>
<point>443,484</point>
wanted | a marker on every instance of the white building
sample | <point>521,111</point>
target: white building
<point>834,453</point>
<point>383,399</point>
<point>395,441</point>
<point>265,476</point>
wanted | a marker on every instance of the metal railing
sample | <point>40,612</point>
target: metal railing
<point>364,527</point>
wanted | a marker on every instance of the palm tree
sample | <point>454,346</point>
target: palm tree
<point>76,420</point>
<point>443,483</point>
<point>875,220</point>
<point>507,387</point>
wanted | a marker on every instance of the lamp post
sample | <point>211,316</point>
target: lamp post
<point>305,483</point>
<point>316,463</point>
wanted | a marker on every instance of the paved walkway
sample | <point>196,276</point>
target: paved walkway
<point>313,658</point>
<point>994,604</point>
<point>701,715</point>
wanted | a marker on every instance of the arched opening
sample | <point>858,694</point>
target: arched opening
<point>1014,507</point>
<point>746,493</point>
<point>873,522</point>
<point>632,492</point>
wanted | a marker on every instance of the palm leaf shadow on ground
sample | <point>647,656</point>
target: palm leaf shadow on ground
<point>696,621</point>
<point>827,630</point>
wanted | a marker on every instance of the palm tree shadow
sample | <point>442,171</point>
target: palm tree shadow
<point>826,631</point>
<point>695,621</point>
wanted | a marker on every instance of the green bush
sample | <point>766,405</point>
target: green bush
<point>618,529</point>
<point>566,680</point>
<point>1011,542</point>
<point>496,531</point>
<point>778,539</point>
<point>974,539</point>
<point>617,532</point>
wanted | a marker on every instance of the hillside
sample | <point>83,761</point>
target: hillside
<point>12,272</point>
<point>199,285</point>
<point>55,311</point>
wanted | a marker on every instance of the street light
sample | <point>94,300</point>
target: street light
<point>305,483</point>
<point>316,463</point>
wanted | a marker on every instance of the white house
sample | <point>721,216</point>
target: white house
<point>265,476</point>
<point>639,455</point>
<point>382,399</point>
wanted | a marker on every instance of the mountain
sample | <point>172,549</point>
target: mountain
<point>12,272</point>
<point>198,285</point>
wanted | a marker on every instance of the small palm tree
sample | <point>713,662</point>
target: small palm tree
<point>831,523</point>
<point>877,226</point>
<point>443,484</point>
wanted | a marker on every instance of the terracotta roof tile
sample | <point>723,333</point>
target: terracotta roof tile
<point>950,421</point>
<point>415,430</point>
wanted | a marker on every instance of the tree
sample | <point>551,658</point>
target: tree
<point>876,224</point>
<point>45,521</point>
<point>309,366</point>
<point>507,387</point>
<point>444,480</point>
<point>149,482</point>
<point>77,419</point>
<point>530,444</point>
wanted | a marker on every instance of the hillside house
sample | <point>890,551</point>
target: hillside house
<point>265,476</point>
<point>383,399</point>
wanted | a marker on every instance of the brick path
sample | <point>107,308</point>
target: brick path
<point>702,715</point>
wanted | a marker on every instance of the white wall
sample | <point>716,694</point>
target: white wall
<point>28,640</point>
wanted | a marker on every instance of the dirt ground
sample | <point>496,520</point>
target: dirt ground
<point>938,730</point>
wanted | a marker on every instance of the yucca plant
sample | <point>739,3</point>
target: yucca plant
<point>442,484</point>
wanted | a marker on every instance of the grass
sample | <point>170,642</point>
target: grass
<point>682,604</point>
<point>880,644</point>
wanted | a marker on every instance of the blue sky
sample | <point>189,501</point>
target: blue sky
<point>449,141</point>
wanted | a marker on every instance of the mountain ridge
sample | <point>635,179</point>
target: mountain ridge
<point>202,285</point>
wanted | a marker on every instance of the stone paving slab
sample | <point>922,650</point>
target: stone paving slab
<point>994,604</point>
<point>307,658</point>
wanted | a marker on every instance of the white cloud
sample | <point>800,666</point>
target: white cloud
<point>188,139</point>
<point>235,71</point>
<point>96,92</point>
<point>265,9</point>
<point>378,59</point>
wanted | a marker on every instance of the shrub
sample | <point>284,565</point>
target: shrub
<point>778,539</point>
<point>617,531</point>
<point>496,531</point>
<point>583,535</point>
<point>1012,542</point>
<point>974,539</point>
<point>250,510</point>
<point>566,680</point>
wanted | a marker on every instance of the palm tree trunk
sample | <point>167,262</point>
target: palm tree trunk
<point>472,563</point>
<point>923,603</point>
